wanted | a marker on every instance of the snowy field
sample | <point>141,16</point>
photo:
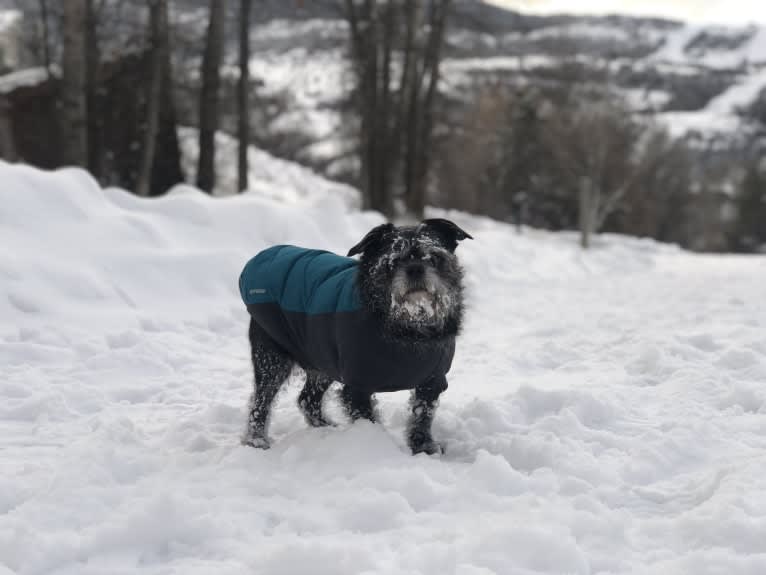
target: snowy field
<point>606,411</point>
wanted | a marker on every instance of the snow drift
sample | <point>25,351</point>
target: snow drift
<point>605,412</point>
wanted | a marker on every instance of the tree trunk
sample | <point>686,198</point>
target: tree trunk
<point>7,144</point>
<point>372,31</point>
<point>95,113</point>
<point>396,123</point>
<point>243,127</point>
<point>408,79</point>
<point>585,212</point>
<point>73,84</point>
<point>158,24</point>
<point>420,136</point>
<point>166,169</point>
<point>359,59</point>
<point>386,156</point>
<point>46,37</point>
<point>371,105</point>
<point>210,98</point>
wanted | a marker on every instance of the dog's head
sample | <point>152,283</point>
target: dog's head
<point>410,278</point>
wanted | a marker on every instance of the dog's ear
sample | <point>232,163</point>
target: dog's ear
<point>449,231</point>
<point>373,237</point>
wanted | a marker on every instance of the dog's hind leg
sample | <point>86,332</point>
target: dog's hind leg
<point>422,410</point>
<point>271,367</point>
<point>359,405</point>
<point>310,398</point>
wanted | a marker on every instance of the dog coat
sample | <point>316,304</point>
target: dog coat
<point>308,302</point>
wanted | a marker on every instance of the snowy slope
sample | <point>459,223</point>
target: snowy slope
<point>268,176</point>
<point>606,411</point>
<point>747,53</point>
<point>722,113</point>
<point>305,61</point>
<point>747,47</point>
<point>22,78</point>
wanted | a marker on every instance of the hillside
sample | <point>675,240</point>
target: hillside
<point>695,80</point>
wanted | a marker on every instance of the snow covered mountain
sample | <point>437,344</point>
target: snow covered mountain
<point>694,79</point>
<point>605,413</point>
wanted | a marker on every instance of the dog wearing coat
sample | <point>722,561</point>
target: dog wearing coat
<point>386,322</point>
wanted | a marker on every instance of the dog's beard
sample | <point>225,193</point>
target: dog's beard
<point>426,309</point>
<point>425,303</point>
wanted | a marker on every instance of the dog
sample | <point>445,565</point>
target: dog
<point>387,322</point>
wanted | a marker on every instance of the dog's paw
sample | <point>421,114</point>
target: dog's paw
<point>257,442</point>
<point>319,421</point>
<point>428,447</point>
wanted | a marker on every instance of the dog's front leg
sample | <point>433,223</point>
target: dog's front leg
<point>423,405</point>
<point>358,404</point>
<point>310,398</point>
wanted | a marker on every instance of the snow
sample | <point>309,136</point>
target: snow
<point>708,11</point>
<point>645,99</point>
<point>8,19</point>
<point>751,51</point>
<point>315,80</point>
<point>739,95</point>
<point>606,411</point>
<point>22,79</point>
<point>459,73</point>
<point>586,30</point>
<point>721,115</point>
<point>498,63</point>
<point>268,176</point>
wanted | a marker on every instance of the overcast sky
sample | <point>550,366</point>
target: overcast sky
<point>708,11</point>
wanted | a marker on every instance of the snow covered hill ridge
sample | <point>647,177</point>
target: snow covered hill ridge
<point>67,243</point>
<point>605,410</point>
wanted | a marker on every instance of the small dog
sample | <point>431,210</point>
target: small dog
<point>387,322</point>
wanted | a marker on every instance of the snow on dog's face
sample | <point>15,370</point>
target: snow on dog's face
<point>410,277</point>
<point>419,291</point>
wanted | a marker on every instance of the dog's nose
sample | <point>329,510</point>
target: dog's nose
<point>415,271</point>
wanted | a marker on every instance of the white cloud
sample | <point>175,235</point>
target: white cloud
<point>708,11</point>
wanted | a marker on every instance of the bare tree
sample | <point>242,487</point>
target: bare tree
<point>243,126</point>
<point>750,221</point>
<point>209,108</point>
<point>74,83</point>
<point>395,122</point>
<point>421,111</point>
<point>45,40</point>
<point>658,199</point>
<point>469,157</point>
<point>595,146</point>
<point>158,19</point>
<point>92,85</point>
<point>7,144</point>
<point>368,52</point>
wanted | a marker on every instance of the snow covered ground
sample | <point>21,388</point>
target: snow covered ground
<point>606,411</point>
